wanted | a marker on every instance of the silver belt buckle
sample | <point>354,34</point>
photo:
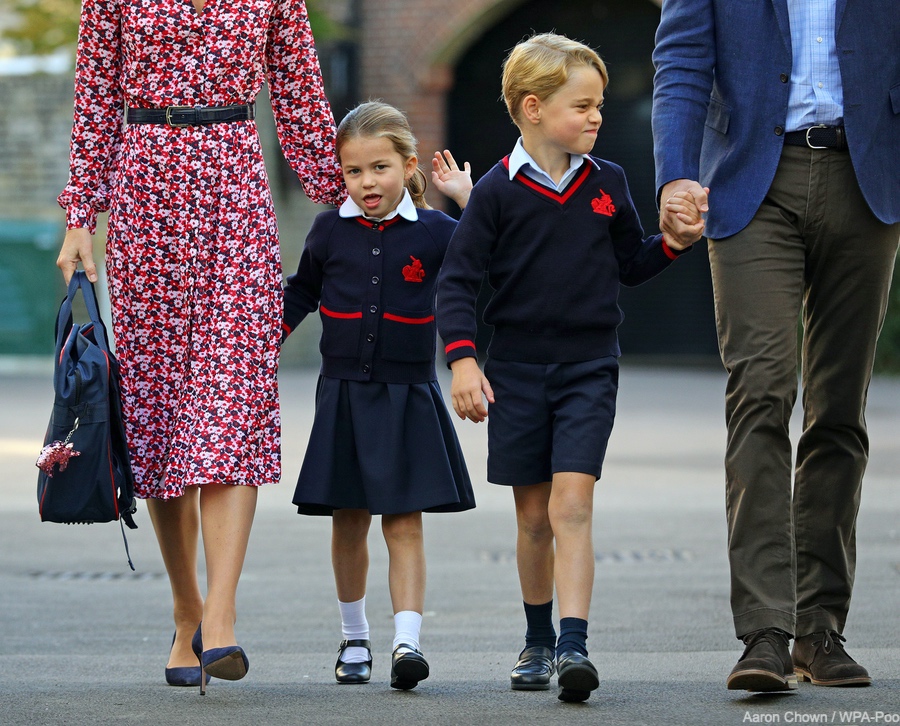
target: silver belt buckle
<point>808,143</point>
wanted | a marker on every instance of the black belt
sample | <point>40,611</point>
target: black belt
<point>818,137</point>
<point>191,115</point>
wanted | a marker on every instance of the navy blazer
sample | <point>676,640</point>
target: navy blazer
<point>721,92</point>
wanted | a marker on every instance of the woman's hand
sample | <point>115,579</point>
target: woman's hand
<point>78,246</point>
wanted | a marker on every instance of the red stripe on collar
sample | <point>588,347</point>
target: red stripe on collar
<point>377,225</point>
<point>522,178</point>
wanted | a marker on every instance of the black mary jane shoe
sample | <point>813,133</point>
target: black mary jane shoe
<point>408,667</point>
<point>577,677</point>
<point>353,672</point>
<point>533,670</point>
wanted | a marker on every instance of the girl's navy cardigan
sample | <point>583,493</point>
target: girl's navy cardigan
<point>554,260</point>
<point>373,284</point>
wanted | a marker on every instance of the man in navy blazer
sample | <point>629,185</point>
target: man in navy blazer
<point>788,112</point>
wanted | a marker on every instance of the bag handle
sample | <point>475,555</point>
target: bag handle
<point>78,282</point>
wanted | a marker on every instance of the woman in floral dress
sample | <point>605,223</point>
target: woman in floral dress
<point>193,264</point>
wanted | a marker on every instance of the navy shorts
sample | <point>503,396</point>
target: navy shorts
<point>549,418</point>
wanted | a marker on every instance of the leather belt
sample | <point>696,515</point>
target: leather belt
<point>818,137</point>
<point>191,115</point>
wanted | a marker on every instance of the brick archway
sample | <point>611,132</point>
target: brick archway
<point>408,51</point>
<point>407,55</point>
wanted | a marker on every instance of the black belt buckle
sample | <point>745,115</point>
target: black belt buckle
<point>181,116</point>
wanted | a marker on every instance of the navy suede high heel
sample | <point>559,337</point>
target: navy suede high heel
<point>229,663</point>
<point>183,675</point>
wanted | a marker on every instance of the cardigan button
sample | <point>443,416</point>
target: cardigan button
<point>366,368</point>
<point>370,337</point>
<point>376,251</point>
<point>779,130</point>
<point>373,309</point>
<point>375,280</point>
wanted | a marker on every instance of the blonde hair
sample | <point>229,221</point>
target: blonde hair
<point>540,65</point>
<point>376,119</point>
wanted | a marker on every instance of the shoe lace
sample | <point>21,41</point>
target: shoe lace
<point>832,640</point>
<point>774,636</point>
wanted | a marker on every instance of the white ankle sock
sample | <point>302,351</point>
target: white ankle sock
<point>407,626</point>
<point>354,626</point>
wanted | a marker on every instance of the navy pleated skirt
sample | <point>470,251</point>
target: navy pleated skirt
<point>387,447</point>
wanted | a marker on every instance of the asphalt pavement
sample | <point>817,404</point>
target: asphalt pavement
<point>83,640</point>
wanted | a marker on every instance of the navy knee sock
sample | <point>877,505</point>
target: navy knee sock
<point>540,629</point>
<point>572,636</point>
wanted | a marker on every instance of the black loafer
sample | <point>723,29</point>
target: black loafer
<point>408,667</point>
<point>577,676</point>
<point>353,672</point>
<point>533,670</point>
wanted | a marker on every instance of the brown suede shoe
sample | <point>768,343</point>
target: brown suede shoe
<point>820,658</point>
<point>766,663</point>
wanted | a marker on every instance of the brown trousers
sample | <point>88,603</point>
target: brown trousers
<point>815,253</point>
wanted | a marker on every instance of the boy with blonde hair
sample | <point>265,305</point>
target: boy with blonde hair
<point>557,232</point>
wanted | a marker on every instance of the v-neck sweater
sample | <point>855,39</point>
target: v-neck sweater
<point>555,261</point>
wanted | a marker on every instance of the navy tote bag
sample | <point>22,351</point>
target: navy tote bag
<point>85,472</point>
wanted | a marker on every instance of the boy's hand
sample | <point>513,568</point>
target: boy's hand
<point>456,183</point>
<point>467,388</point>
<point>680,221</point>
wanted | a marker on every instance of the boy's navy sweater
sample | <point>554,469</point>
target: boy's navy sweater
<point>373,284</point>
<point>554,260</point>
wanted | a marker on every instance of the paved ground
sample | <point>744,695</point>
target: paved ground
<point>84,641</point>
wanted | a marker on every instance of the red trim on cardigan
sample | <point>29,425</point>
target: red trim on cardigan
<point>379,226</point>
<point>408,321</point>
<point>670,253</point>
<point>459,344</point>
<point>332,314</point>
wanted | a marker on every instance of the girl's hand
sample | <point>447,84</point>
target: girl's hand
<point>78,246</point>
<point>467,388</point>
<point>456,183</point>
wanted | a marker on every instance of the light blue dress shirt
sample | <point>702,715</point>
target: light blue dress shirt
<point>815,95</point>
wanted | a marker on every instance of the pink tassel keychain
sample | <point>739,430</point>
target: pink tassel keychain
<point>57,452</point>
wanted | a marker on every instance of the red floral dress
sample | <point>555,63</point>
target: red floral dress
<point>192,250</point>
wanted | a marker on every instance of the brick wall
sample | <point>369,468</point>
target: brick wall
<point>408,48</point>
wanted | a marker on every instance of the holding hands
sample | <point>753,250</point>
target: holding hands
<point>683,202</point>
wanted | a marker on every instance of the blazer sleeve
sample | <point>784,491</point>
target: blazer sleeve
<point>684,58</point>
